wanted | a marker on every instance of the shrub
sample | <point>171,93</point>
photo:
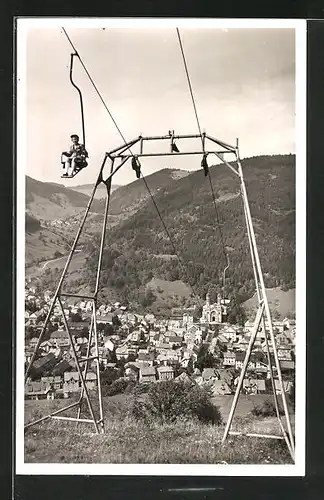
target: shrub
<point>116,387</point>
<point>168,401</point>
<point>266,409</point>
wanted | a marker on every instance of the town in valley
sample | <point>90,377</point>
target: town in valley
<point>201,348</point>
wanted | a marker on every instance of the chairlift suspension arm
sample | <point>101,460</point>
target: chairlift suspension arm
<point>80,95</point>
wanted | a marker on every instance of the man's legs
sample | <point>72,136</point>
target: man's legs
<point>72,166</point>
<point>66,162</point>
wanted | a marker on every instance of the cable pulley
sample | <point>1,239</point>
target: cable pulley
<point>136,166</point>
<point>204,164</point>
<point>174,147</point>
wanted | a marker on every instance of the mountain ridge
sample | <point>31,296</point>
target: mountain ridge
<point>137,238</point>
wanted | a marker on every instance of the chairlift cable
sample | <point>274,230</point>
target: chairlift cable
<point>93,84</point>
<point>81,99</point>
<point>122,136</point>
<point>184,268</point>
<point>189,82</point>
<point>199,128</point>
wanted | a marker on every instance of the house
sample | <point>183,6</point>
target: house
<point>162,346</point>
<point>43,364</point>
<point>185,378</point>
<point>122,352</point>
<point>61,367</point>
<point>150,318</point>
<point>38,390</point>
<point>55,382</point>
<point>287,385</point>
<point>28,354</point>
<point>261,368</point>
<point>229,332</point>
<point>91,380</point>
<point>33,342</point>
<point>132,371</point>
<point>167,358</point>
<point>165,372</point>
<point>72,382</point>
<point>187,319</point>
<point>187,355</point>
<point>106,320</point>
<point>32,319</point>
<point>131,318</point>
<point>147,374</point>
<point>220,388</point>
<point>282,339</point>
<point>239,359</point>
<point>113,366</point>
<point>289,323</point>
<point>158,338</point>
<point>78,326</point>
<point>59,337</point>
<point>287,365</point>
<point>82,340</point>
<point>284,353</point>
<point>226,375</point>
<point>175,341</point>
<point>254,386</point>
<point>229,358</point>
<point>177,314</point>
<point>146,359</point>
<point>109,344</point>
<point>209,374</point>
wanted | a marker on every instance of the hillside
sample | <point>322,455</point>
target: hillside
<point>49,201</point>
<point>54,211</point>
<point>131,441</point>
<point>281,302</point>
<point>133,196</point>
<point>132,258</point>
<point>138,249</point>
<point>100,192</point>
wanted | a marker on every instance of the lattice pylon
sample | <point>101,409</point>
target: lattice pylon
<point>263,315</point>
<point>81,363</point>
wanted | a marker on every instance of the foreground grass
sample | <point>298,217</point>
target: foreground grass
<point>128,441</point>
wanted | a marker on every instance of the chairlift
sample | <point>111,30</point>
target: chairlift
<point>80,160</point>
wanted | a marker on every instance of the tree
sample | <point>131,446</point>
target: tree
<point>236,314</point>
<point>197,313</point>
<point>205,359</point>
<point>76,317</point>
<point>116,321</point>
<point>108,329</point>
<point>190,367</point>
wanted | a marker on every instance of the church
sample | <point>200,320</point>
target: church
<point>216,313</point>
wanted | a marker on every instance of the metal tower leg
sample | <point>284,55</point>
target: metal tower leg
<point>264,314</point>
<point>93,335</point>
<point>284,433</point>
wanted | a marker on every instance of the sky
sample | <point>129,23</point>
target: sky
<point>243,82</point>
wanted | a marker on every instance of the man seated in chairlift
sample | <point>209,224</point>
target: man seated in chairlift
<point>74,159</point>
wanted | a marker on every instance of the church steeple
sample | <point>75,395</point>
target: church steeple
<point>207,299</point>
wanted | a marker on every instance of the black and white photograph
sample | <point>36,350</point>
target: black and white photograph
<point>161,232</point>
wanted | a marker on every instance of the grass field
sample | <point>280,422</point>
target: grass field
<point>281,302</point>
<point>128,441</point>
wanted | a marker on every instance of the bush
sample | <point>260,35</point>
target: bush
<point>168,401</point>
<point>116,387</point>
<point>266,409</point>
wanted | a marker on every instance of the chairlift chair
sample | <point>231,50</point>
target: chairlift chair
<point>80,163</point>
